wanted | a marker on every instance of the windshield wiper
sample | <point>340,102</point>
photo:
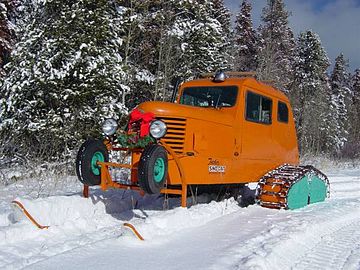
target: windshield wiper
<point>217,102</point>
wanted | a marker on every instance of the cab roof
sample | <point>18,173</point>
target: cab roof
<point>250,82</point>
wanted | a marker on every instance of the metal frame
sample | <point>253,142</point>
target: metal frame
<point>107,182</point>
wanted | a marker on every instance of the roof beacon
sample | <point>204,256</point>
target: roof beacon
<point>219,76</point>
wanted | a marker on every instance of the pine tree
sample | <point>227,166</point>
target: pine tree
<point>167,39</point>
<point>353,144</point>
<point>200,38</point>
<point>310,97</point>
<point>6,32</point>
<point>175,39</point>
<point>245,40</point>
<point>65,76</point>
<point>139,49</point>
<point>276,45</point>
<point>338,106</point>
<point>222,14</point>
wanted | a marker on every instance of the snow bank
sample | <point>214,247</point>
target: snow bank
<point>76,213</point>
<point>160,223</point>
<point>88,233</point>
<point>75,221</point>
<point>4,219</point>
<point>66,211</point>
<point>61,213</point>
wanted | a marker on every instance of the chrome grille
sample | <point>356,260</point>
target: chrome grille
<point>175,135</point>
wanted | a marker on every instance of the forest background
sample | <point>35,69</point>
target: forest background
<point>67,65</point>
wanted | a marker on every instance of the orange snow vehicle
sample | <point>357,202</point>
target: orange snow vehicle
<point>220,129</point>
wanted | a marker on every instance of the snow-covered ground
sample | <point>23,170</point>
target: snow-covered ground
<point>88,233</point>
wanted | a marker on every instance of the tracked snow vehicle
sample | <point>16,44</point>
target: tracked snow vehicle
<point>221,129</point>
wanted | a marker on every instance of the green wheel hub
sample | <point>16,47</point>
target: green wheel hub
<point>95,168</point>
<point>153,168</point>
<point>159,170</point>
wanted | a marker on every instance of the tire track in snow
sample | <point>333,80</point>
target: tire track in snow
<point>300,241</point>
<point>22,254</point>
<point>336,250</point>
<point>323,236</point>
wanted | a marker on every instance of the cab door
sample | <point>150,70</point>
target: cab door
<point>257,126</point>
<point>255,135</point>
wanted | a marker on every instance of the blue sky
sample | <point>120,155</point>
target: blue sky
<point>319,5</point>
<point>336,21</point>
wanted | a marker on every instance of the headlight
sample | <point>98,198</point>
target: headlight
<point>158,129</point>
<point>109,126</point>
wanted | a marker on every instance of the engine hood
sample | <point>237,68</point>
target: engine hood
<point>223,116</point>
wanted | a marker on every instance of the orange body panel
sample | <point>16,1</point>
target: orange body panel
<point>218,145</point>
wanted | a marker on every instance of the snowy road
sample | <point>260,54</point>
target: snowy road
<point>87,234</point>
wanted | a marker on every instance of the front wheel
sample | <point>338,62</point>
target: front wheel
<point>153,168</point>
<point>87,169</point>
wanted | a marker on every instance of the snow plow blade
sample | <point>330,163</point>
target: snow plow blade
<point>292,187</point>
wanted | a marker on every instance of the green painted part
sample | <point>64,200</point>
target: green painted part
<point>159,170</point>
<point>317,190</point>
<point>98,156</point>
<point>310,189</point>
<point>298,194</point>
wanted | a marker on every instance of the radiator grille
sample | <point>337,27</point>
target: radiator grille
<point>175,135</point>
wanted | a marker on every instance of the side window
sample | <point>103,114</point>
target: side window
<point>283,112</point>
<point>258,108</point>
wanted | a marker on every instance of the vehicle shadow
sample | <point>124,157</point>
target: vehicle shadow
<point>127,204</point>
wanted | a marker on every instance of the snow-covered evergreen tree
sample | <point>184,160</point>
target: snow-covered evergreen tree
<point>169,39</point>
<point>355,105</point>
<point>339,94</point>
<point>139,48</point>
<point>276,45</point>
<point>221,13</point>
<point>353,144</point>
<point>310,97</point>
<point>173,39</point>
<point>200,38</point>
<point>6,32</point>
<point>245,40</point>
<point>66,74</point>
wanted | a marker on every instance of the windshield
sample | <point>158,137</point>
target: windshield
<point>209,96</point>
